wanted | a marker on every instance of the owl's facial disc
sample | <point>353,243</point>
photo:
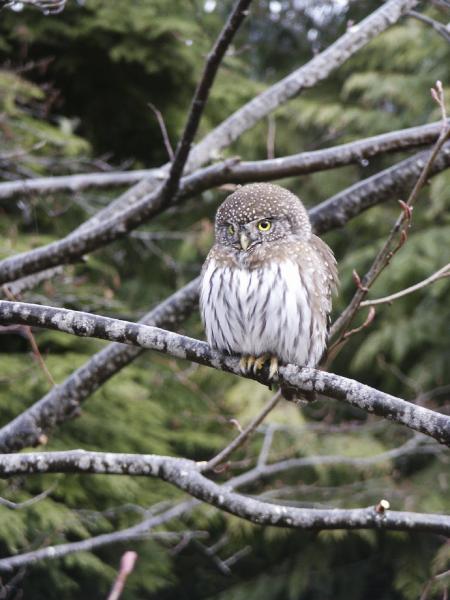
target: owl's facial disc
<point>244,236</point>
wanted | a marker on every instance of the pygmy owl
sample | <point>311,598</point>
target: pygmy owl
<point>267,282</point>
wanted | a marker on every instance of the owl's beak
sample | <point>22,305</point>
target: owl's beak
<point>244,241</point>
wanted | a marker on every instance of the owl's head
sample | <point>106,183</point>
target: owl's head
<point>259,213</point>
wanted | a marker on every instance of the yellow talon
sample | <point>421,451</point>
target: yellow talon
<point>250,362</point>
<point>273,369</point>
<point>246,363</point>
<point>256,363</point>
<point>259,363</point>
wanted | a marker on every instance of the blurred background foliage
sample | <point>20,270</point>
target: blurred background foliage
<point>75,91</point>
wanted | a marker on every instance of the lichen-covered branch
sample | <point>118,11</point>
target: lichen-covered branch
<point>248,115</point>
<point>185,475</point>
<point>63,401</point>
<point>143,201</point>
<point>334,386</point>
<point>260,472</point>
<point>242,172</point>
<point>391,184</point>
<point>317,69</point>
<point>336,211</point>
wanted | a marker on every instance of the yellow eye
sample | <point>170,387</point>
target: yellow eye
<point>264,225</point>
<point>230,229</point>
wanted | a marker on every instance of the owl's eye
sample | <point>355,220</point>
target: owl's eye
<point>230,230</point>
<point>264,225</point>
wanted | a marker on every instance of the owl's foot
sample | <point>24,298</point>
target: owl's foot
<point>259,363</point>
<point>246,363</point>
<point>256,363</point>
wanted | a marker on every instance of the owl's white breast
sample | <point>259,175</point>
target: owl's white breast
<point>267,309</point>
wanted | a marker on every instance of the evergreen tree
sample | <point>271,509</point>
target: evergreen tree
<point>78,86</point>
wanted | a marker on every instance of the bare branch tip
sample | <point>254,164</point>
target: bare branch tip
<point>382,506</point>
<point>357,280</point>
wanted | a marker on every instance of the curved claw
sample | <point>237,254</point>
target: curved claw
<point>243,364</point>
<point>273,369</point>
<point>246,363</point>
<point>259,363</point>
<point>252,363</point>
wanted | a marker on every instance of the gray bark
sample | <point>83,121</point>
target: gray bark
<point>418,418</point>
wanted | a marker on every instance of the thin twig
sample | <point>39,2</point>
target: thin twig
<point>127,563</point>
<point>34,347</point>
<point>444,272</point>
<point>386,252</point>
<point>242,437</point>
<point>209,552</point>
<point>433,580</point>
<point>38,355</point>
<point>163,129</point>
<point>213,61</point>
<point>15,154</point>
<point>266,446</point>
<point>436,25</point>
<point>270,142</point>
<point>334,348</point>
<point>29,502</point>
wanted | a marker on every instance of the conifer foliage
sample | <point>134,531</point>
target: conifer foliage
<point>101,91</point>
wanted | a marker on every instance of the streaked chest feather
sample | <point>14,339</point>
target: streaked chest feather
<point>272,309</point>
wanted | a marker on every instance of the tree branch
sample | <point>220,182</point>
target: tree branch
<point>242,437</point>
<point>444,272</point>
<point>83,240</point>
<point>250,477</point>
<point>185,475</point>
<point>213,61</point>
<point>317,69</point>
<point>297,164</point>
<point>388,249</point>
<point>334,386</point>
<point>440,28</point>
<point>386,185</point>
<point>63,401</point>
<point>247,116</point>
<point>164,132</point>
